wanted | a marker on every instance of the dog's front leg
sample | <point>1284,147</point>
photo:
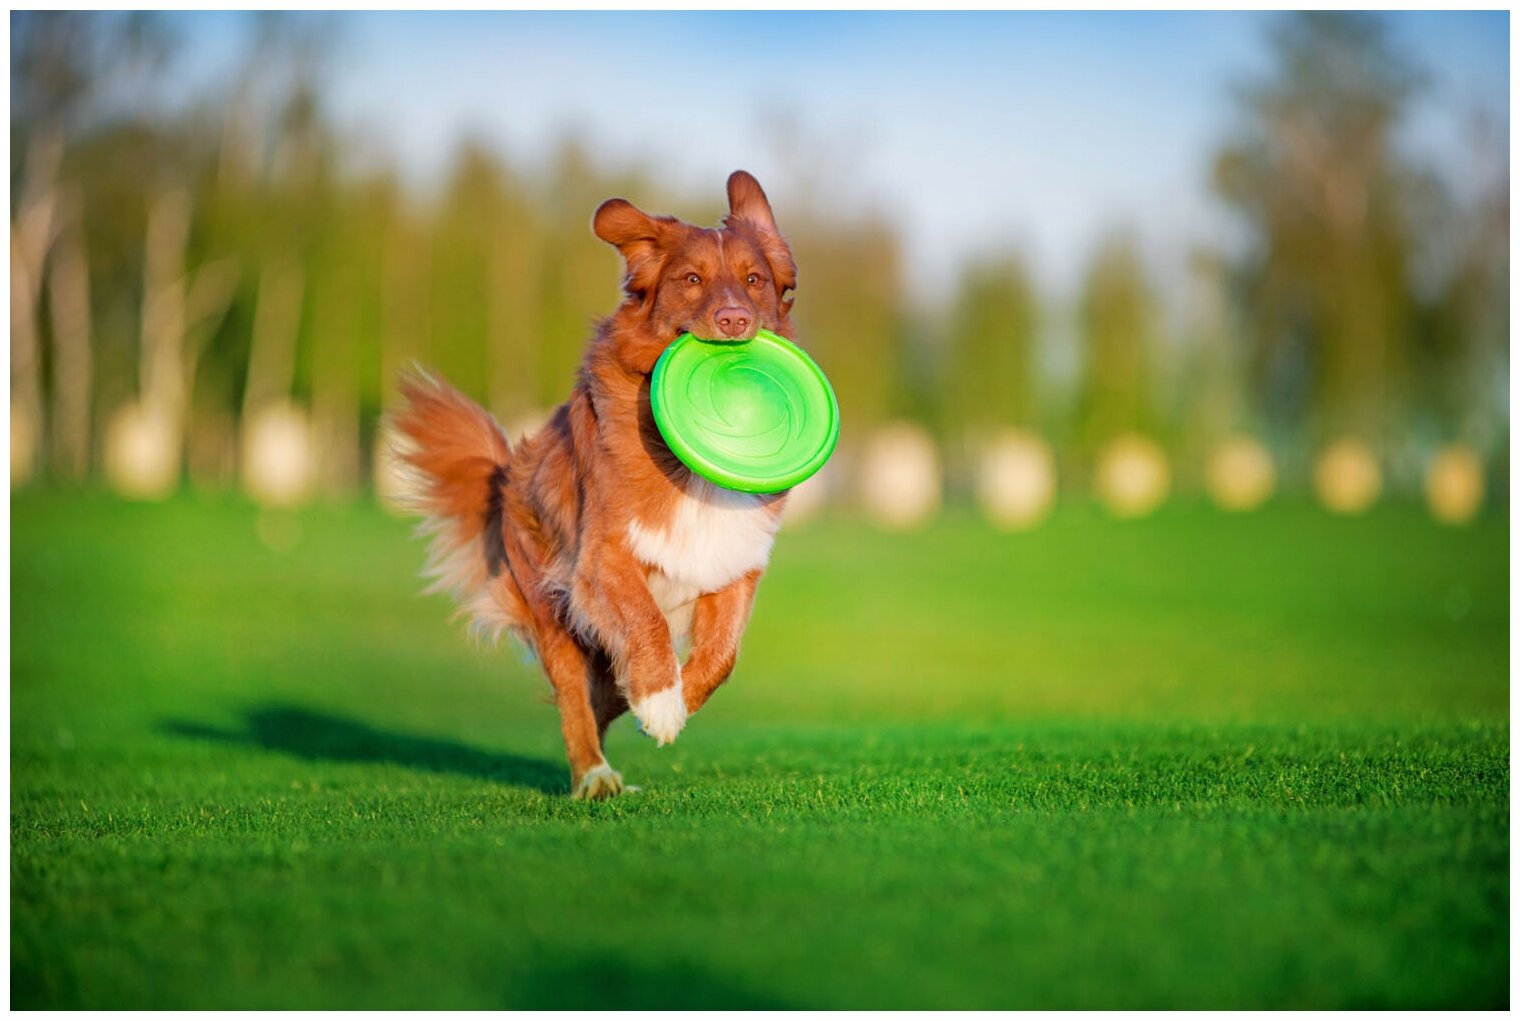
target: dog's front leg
<point>611,598</point>
<point>717,623</point>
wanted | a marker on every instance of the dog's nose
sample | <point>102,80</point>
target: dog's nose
<point>732,321</point>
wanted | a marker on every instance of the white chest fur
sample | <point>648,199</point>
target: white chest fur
<point>714,537</point>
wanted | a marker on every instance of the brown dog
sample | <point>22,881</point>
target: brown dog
<point>590,541</point>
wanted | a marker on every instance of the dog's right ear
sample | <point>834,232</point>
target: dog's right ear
<point>637,236</point>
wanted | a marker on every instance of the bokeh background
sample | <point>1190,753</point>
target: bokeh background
<point>1131,256</point>
<point>1145,644</point>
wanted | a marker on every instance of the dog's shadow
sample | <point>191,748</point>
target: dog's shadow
<point>321,737</point>
<point>606,982</point>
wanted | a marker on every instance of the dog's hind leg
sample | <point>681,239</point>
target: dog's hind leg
<point>572,672</point>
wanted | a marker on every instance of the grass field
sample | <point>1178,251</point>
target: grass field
<point>1192,761</point>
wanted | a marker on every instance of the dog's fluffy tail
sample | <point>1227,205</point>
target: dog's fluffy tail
<point>454,460</point>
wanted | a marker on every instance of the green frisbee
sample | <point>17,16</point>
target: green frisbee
<point>755,415</point>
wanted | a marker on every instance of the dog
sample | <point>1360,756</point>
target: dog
<point>589,541</point>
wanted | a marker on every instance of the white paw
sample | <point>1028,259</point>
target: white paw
<point>598,783</point>
<point>663,714</point>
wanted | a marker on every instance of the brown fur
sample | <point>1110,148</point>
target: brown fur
<point>534,538</point>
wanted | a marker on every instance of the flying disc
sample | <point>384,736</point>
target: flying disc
<point>755,415</point>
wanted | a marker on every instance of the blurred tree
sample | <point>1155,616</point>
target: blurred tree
<point>69,321</point>
<point>1462,355</point>
<point>577,273</point>
<point>851,310</point>
<point>70,69</point>
<point>1118,317</point>
<point>1212,386</point>
<point>1314,173</point>
<point>32,231</point>
<point>513,268</point>
<point>991,350</point>
<point>487,279</point>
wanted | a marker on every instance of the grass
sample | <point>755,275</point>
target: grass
<point>1198,760</point>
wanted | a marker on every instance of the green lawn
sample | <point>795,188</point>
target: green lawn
<point>1197,760</point>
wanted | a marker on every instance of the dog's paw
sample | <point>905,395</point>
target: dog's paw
<point>662,715</point>
<point>599,782</point>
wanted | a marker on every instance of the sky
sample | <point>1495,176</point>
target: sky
<point>974,133</point>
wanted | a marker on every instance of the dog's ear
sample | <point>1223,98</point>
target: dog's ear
<point>748,207</point>
<point>638,238</point>
<point>747,201</point>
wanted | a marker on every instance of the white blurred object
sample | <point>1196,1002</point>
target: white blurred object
<point>142,452</point>
<point>805,500</point>
<point>1133,476</point>
<point>1016,480</point>
<point>1454,484</point>
<point>392,481</point>
<point>1240,475</point>
<point>277,455</point>
<point>525,423</point>
<point>23,445</point>
<point>900,476</point>
<point>1347,478</point>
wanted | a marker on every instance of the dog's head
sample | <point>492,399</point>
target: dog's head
<point>719,284</point>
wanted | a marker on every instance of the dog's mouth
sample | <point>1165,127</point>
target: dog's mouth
<point>748,336</point>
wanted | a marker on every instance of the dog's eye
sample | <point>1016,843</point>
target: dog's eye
<point>752,279</point>
<point>692,278</point>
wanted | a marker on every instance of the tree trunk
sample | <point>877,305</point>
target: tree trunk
<point>73,360</point>
<point>212,437</point>
<point>26,368</point>
<point>163,312</point>
<point>513,326</point>
<point>276,326</point>
<point>31,237</point>
<point>335,390</point>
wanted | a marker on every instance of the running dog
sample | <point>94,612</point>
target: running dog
<point>589,540</point>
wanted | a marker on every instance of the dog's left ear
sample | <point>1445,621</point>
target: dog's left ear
<point>747,205</point>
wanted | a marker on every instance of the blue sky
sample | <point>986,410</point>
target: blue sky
<point>975,131</point>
